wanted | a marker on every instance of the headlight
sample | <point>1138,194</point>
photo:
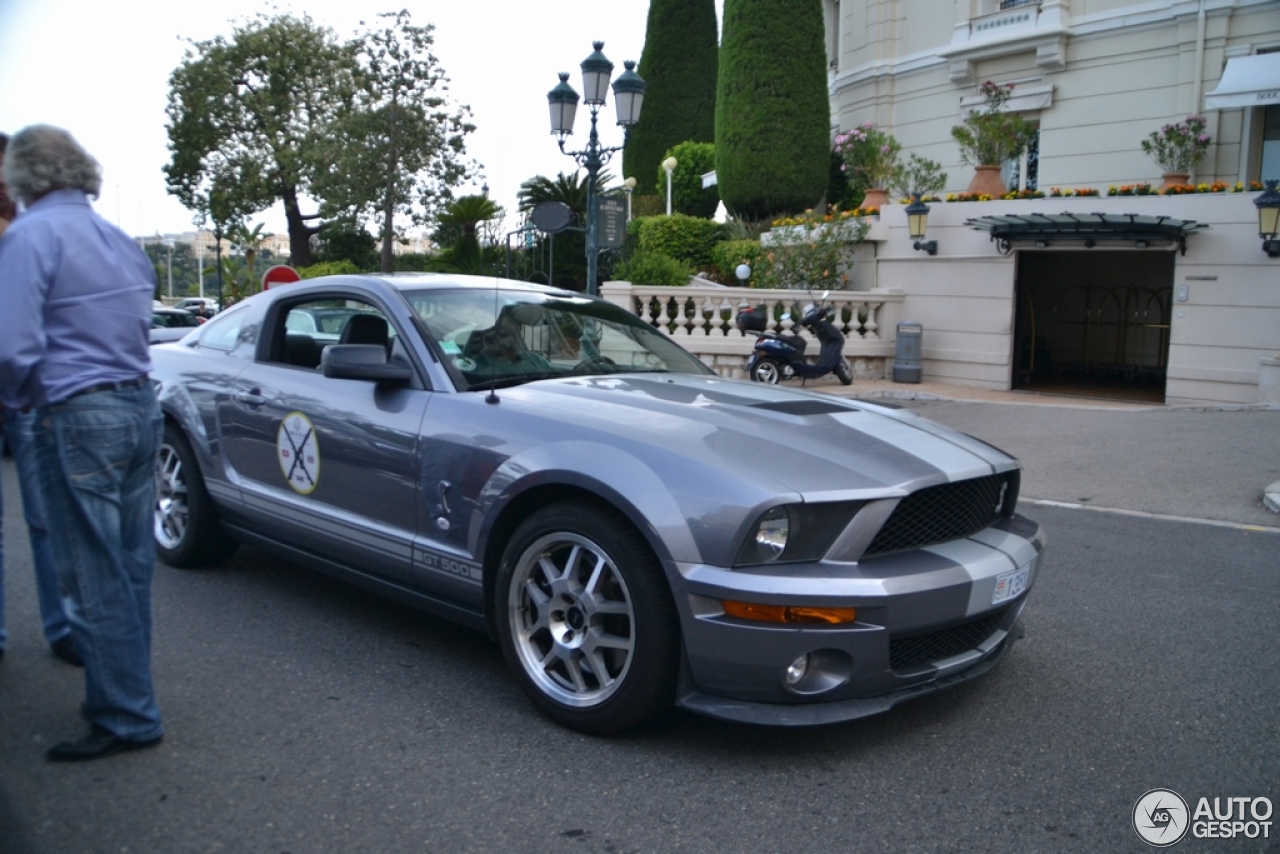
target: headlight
<point>771,534</point>
<point>795,532</point>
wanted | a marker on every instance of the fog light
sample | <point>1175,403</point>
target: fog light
<point>798,669</point>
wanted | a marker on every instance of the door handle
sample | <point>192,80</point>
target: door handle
<point>252,397</point>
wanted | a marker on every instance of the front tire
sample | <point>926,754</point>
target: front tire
<point>186,526</point>
<point>767,371</point>
<point>586,620</point>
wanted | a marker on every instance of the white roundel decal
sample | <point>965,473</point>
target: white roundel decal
<point>299,452</point>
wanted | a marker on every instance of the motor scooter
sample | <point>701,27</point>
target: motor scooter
<point>777,356</point>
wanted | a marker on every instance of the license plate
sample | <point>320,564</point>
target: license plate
<point>1010,585</point>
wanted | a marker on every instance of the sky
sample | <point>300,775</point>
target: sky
<point>101,71</point>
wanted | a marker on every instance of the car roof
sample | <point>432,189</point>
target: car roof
<point>442,281</point>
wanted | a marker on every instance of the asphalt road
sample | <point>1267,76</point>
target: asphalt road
<point>306,716</point>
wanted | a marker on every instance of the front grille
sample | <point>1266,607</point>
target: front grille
<point>949,511</point>
<point>914,650</point>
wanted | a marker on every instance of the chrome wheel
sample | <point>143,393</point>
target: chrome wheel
<point>766,371</point>
<point>172,511</point>
<point>571,619</point>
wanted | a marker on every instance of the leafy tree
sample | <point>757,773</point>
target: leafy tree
<point>400,149</point>
<point>679,64</point>
<point>772,113</point>
<point>347,240</point>
<point>247,115</point>
<point>693,160</point>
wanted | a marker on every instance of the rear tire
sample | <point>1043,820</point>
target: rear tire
<point>586,620</point>
<point>767,371</point>
<point>844,372</point>
<point>187,530</point>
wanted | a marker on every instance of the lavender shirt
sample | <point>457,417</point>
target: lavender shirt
<point>75,302</point>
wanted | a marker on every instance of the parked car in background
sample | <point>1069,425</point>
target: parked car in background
<point>171,324</point>
<point>636,531</point>
<point>202,307</point>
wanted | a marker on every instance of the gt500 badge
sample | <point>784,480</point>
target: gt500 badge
<point>299,452</point>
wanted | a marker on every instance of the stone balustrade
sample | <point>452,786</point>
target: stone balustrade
<point>701,319</point>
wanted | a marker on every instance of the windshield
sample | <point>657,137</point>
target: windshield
<point>503,338</point>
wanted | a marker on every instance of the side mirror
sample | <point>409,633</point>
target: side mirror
<point>362,362</point>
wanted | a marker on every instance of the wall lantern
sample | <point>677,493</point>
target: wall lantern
<point>918,226</point>
<point>1268,204</point>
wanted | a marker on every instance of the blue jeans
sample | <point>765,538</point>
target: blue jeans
<point>97,478</point>
<point>17,430</point>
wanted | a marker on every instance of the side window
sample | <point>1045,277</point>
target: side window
<point>305,329</point>
<point>223,332</point>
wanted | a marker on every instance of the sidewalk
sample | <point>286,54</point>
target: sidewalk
<point>933,390</point>
<point>1215,463</point>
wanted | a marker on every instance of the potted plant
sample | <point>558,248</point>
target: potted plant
<point>918,177</point>
<point>1177,149</point>
<point>991,135</point>
<point>870,156</point>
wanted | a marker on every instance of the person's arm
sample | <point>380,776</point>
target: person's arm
<point>24,285</point>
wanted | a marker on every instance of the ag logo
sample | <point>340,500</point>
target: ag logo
<point>1160,817</point>
<point>299,452</point>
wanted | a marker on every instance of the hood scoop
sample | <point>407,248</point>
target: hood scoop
<point>804,407</point>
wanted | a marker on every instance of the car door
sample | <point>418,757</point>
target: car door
<point>327,465</point>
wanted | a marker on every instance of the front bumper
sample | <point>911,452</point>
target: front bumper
<point>925,622</point>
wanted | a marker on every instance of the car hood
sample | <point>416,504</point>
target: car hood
<point>824,447</point>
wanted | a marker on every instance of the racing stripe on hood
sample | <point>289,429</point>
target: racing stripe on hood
<point>954,461</point>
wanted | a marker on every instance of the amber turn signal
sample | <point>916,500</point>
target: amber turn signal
<point>789,613</point>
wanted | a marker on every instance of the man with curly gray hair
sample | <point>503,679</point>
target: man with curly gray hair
<point>16,428</point>
<point>75,315</point>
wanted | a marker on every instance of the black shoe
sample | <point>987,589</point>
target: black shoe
<point>64,649</point>
<point>97,744</point>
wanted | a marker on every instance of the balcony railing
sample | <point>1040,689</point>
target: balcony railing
<point>701,318</point>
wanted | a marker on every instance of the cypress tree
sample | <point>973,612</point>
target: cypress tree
<point>772,114</point>
<point>679,64</point>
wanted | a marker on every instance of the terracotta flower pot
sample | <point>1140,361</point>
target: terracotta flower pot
<point>875,198</point>
<point>987,182</point>
<point>1173,179</point>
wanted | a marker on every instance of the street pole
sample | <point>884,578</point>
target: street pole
<point>200,262</point>
<point>629,91</point>
<point>169,245</point>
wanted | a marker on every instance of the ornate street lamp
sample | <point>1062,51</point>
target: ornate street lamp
<point>918,226</point>
<point>1268,204</point>
<point>628,91</point>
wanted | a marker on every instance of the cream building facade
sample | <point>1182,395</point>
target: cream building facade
<point>1189,313</point>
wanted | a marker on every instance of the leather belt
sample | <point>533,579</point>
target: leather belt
<point>136,382</point>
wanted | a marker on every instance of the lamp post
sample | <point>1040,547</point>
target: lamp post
<point>918,225</point>
<point>628,90</point>
<point>169,245</point>
<point>629,185</point>
<point>1268,204</point>
<point>670,165</point>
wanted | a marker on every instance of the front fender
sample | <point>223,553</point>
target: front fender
<point>620,478</point>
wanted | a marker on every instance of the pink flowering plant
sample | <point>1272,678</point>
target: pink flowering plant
<point>870,155</point>
<point>1178,148</point>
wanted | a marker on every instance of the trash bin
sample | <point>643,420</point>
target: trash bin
<point>906,354</point>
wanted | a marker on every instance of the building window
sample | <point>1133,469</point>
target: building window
<point>1027,165</point>
<point>1270,170</point>
<point>831,10</point>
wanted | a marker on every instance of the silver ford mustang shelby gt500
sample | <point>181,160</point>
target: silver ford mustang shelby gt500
<point>633,529</point>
